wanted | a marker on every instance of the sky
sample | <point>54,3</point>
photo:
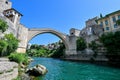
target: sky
<point>61,15</point>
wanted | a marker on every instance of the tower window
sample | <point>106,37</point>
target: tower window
<point>6,2</point>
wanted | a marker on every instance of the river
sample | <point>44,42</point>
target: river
<point>66,70</point>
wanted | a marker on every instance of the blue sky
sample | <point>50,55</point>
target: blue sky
<point>61,15</point>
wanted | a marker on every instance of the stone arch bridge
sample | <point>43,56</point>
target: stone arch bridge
<point>68,40</point>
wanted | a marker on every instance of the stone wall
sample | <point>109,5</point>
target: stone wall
<point>11,28</point>
<point>5,4</point>
<point>84,56</point>
<point>74,32</point>
<point>22,36</point>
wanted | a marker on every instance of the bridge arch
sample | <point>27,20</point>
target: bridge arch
<point>34,32</point>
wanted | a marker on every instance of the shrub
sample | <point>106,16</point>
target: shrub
<point>112,43</point>
<point>8,44</point>
<point>3,25</point>
<point>12,42</point>
<point>81,44</point>
<point>3,47</point>
<point>19,58</point>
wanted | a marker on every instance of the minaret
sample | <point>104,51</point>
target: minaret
<point>4,5</point>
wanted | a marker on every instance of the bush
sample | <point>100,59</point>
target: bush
<point>3,25</point>
<point>19,58</point>
<point>3,47</point>
<point>8,44</point>
<point>112,43</point>
<point>12,43</point>
<point>59,52</point>
<point>81,44</point>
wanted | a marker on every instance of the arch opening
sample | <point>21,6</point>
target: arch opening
<point>34,33</point>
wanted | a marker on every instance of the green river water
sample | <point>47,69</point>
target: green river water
<point>66,70</point>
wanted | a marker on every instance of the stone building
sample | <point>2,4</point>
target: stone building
<point>92,30</point>
<point>12,17</point>
<point>4,5</point>
<point>75,32</point>
<point>109,21</point>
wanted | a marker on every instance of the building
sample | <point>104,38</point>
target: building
<point>12,17</point>
<point>75,32</point>
<point>92,31</point>
<point>4,5</point>
<point>109,21</point>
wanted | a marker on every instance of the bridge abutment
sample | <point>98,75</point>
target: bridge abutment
<point>71,40</point>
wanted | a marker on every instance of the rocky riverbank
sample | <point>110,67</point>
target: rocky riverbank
<point>8,70</point>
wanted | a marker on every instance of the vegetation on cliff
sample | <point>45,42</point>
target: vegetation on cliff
<point>81,44</point>
<point>42,51</point>
<point>112,43</point>
<point>59,52</point>
<point>19,58</point>
<point>8,43</point>
<point>3,25</point>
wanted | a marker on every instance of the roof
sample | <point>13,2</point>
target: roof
<point>14,10</point>
<point>118,11</point>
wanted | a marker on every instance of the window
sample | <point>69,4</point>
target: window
<point>106,22</point>
<point>114,19</point>
<point>107,28</point>
<point>119,17</point>
<point>101,23</point>
<point>6,2</point>
<point>115,25</point>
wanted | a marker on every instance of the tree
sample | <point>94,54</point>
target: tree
<point>118,22</point>
<point>112,43</point>
<point>59,52</point>
<point>3,47</point>
<point>12,42</point>
<point>81,44</point>
<point>3,26</point>
<point>8,44</point>
<point>101,16</point>
<point>94,46</point>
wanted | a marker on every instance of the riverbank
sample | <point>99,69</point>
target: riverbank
<point>8,70</point>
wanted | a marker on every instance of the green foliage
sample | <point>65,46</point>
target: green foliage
<point>112,42</point>
<point>12,42</point>
<point>118,22</point>
<point>58,52</point>
<point>8,44</point>
<point>3,47</point>
<point>94,46</point>
<point>81,44</point>
<point>37,51</point>
<point>19,58</point>
<point>41,51</point>
<point>101,16</point>
<point>3,25</point>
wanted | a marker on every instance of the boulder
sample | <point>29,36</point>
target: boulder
<point>37,70</point>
